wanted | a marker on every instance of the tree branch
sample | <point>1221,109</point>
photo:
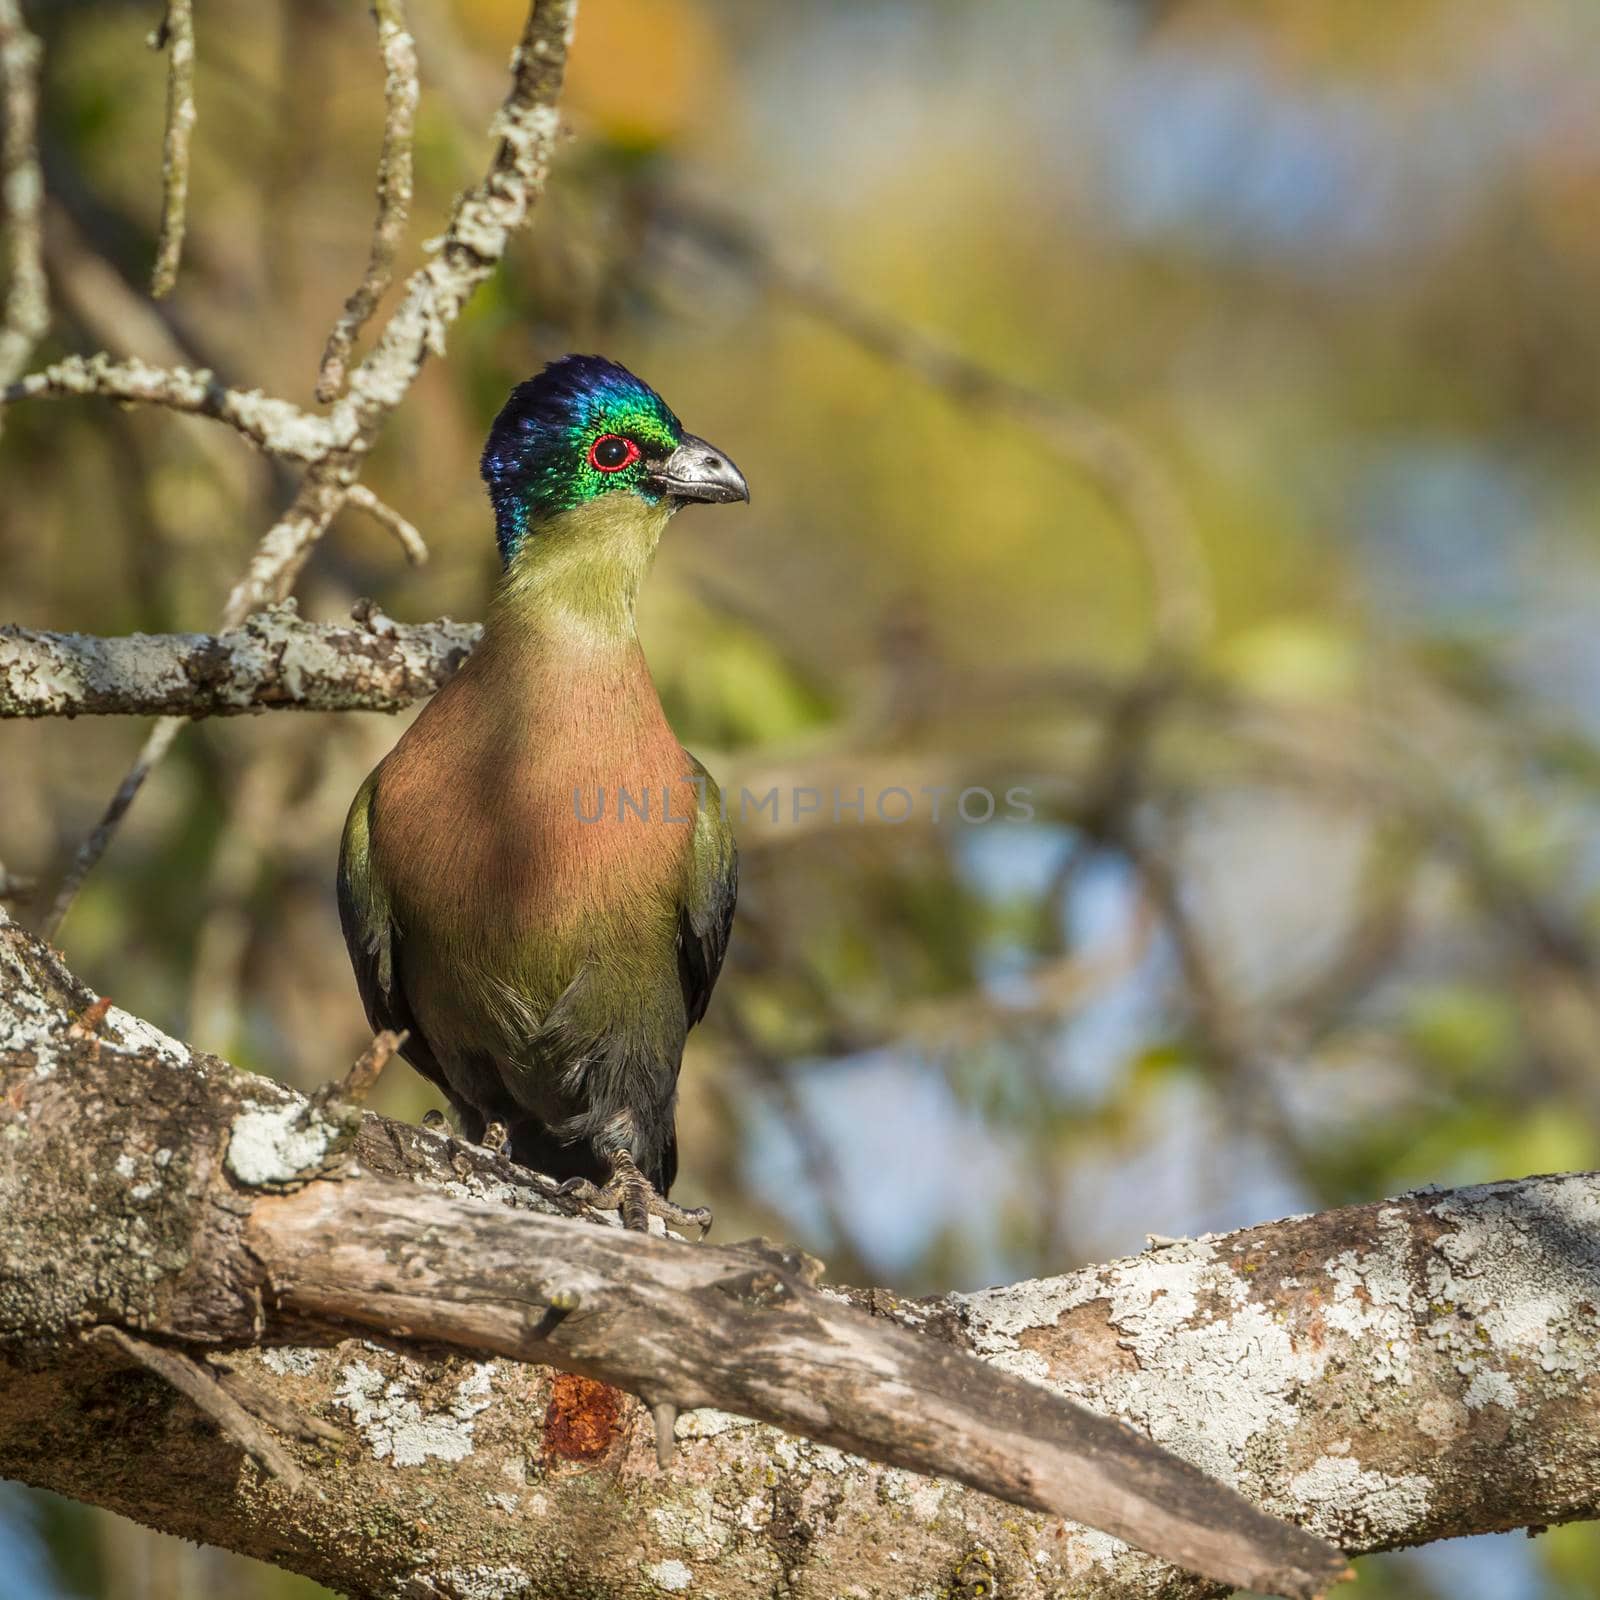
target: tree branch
<point>1391,1373</point>
<point>335,448</point>
<point>26,312</point>
<point>176,37</point>
<point>252,1222</point>
<point>279,427</point>
<point>274,660</point>
<point>405,532</point>
<point>400,91</point>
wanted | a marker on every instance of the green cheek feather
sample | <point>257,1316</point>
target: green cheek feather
<point>543,454</point>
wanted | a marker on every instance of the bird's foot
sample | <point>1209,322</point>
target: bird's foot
<point>634,1196</point>
<point>495,1138</point>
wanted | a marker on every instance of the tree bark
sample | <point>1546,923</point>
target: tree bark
<point>274,661</point>
<point>1387,1374</point>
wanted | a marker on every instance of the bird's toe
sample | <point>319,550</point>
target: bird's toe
<point>630,1194</point>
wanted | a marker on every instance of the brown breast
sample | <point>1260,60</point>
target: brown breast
<point>535,794</point>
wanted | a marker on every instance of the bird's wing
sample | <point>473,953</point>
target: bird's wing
<point>373,939</point>
<point>706,915</point>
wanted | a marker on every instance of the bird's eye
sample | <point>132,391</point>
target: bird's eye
<point>611,452</point>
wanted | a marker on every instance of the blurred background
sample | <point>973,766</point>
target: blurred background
<point>1259,546</point>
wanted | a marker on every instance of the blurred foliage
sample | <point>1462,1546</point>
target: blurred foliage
<point>1309,920</point>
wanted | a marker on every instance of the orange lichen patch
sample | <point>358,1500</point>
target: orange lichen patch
<point>580,1421</point>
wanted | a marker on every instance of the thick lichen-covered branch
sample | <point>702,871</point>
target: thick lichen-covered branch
<point>1391,1373</point>
<point>147,1188</point>
<point>1414,1369</point>
<point>275,660</point>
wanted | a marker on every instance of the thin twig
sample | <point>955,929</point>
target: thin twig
<point>189,1378</point>
<point>176,36</point>
<point>481,228</point>
<point>157,742</point>
<point>399,52</point>
<point>27,304</point>
<point>411,542</point>
<point>354,1087</point>
<point>286,546</point>
<point>124,322</point>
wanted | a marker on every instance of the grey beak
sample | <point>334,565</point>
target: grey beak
<point>699,471</point>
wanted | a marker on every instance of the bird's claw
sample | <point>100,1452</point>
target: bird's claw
<point>631,1194</point>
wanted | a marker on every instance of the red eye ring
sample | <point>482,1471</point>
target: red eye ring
<point>607,459</point>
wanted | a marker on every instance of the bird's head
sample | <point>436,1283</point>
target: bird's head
<point>587,428</point>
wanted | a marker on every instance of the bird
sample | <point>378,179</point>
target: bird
<point>537,883</point>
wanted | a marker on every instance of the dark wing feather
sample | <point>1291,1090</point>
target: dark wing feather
<point>374,942</point>
<point>706,917</point>
<point>701,947</point>
<point>704,922</point>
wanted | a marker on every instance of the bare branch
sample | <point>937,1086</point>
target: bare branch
<point>176,36</point>
<point>480,230</point>
<point>26,313</point>
<point>485,218</point>
<point>482,226</point>
<point>354,1087</point>
<point>275,660</point>
<point>411,542</point>
<point>157,742</point>
<point>400,89</point>
<point>286,546</point>
<point>278,426</point>
<point>656,1321</point>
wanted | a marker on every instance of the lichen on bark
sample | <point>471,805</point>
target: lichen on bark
<point>1392,1373</point>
